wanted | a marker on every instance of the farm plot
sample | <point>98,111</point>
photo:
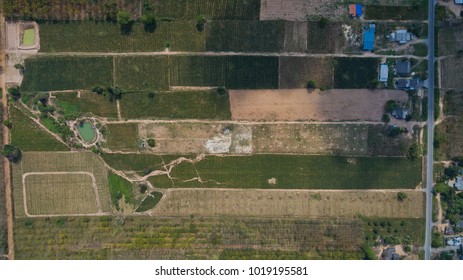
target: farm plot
<point>188,238</point>
<point>355,72</point>
<point>307,204</point>
<point>29,136</point>
<point>449,131</point>
<point>67,73</point>
<point>233,72</point>
<point>122,136</point>
<point>418,11</point>
<point>300,10</point>
<point>451,69</point>
<point>208,104</point>
<point>325,38</point>
<point>211,9</point>
<point>295,36</point>
<point>107,37</point>
<point>450,40</point>
<point>60,194</point>
<point>296,72</point>
<point>298,104</point>
<point>133,162</point>
<point>54,182</point>
<point>72,103</point>
<point>295,172</point>
<point>142,72</point>
<point>245,36</point>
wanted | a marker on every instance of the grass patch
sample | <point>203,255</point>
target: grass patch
<point>133,162</point>
<point>66,73</point>
<point>29,37</point>
<point>149,202</point>
<point>29,136</point>
<point>107,37</point>
<point>449,132</point>
<point>119,188</point>
<point>245,36</point>
<point>420,50</point>
<point>122,136</point>
<point>355,72</point>
<point>301,172</point>
<point>232,72</point>
<point>176,105</point>
<point>419,11</point>
<point>160,181</point>
<point>296,72</point>
<point>88,103</point>
<point>142,72</point>
<point>211,9</point>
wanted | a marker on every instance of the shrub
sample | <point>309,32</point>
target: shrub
<point>401,196</point>
<point>413,151</point>
<point>200,22</point>
<point>151,95</point>
<point>151,142</point>
<point>221,91</point>
<point>124,18</point>
<point>149,22</point>
<point>12,153</point>
<point>311,84</point>
<point>143,188</point>
<point>14,92</point>
<point>386,118</point>
<point>8,123</point>
<point>391,105</point>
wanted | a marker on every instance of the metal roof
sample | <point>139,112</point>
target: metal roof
<point>369,37</point>
<point>383,73</point>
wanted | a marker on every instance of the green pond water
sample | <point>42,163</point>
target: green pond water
<point>86,131</point>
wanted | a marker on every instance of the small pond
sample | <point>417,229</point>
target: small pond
<point>87,131</point>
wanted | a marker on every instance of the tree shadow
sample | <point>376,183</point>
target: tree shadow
<point>126,29</point>
<point>150,27</point>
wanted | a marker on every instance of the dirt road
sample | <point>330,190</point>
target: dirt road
<point>7,179</point>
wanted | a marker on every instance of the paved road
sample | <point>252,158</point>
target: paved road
<point>430,124</point>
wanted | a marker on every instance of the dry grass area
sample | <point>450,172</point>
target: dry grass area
<point>451,69</point>
<point>288,203</point>
<point>59,162</point>
<point>316,105</point>
<point>450,40</point>
<point>300,10</point>
<point>295,72</point>
<point>60,194</point>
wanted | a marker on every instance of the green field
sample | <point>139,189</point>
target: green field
<point>149,202</point>
<point>186,238</point>
<point>122,136</point>
<point>211,9</point>
<point>394,231</point>
<point>67,73</point>
<point>107,37</point>
<point>29,37</point>
<point>142,72</point>
<point>245,36</point>
<point>419,11</point>
<point>300,172</point>
<point>120,189</point>
<point>29,136</point>
<point>136,162</point>
<point>87,103</point>
<point>324,39</point>
<point>355,72</point>
<point>233,72</point>
<point>176,105</point>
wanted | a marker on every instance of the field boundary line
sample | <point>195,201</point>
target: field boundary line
<point>148,121</point>
<point>94,186</point>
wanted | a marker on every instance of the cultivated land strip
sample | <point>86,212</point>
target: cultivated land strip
<point>6,137</point>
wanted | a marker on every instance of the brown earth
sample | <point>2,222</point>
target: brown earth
<point>289,203</point>
<point>316,105</point>
<point>297,10</point>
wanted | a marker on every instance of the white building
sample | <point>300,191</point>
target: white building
<point>383,73</point>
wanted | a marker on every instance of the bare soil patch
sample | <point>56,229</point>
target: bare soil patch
<point>290,203</point>
<point>316,105</point>
<point>452,67</point>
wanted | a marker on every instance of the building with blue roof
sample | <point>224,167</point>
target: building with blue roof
<point>358,10</point>
<point>369,37</point>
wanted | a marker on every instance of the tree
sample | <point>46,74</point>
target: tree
<point>452,171</point>
<point>14,92</point>
<point>98,90</point>
<point>149,22</point>
<point>369,254</point>
<point>124,18</point>
<point>323,22</point>
<point>143,188</point>
<point>221,91</point>
<point>8,123</point>
<point>386,118</point>
<point>413,151</point>
<point>391,105</point>
<point>311,84</point>
<point>200,22</point>
<point>401,196</point>
<point>151,95</point>
<point>20,67</point>
<point>12,153</point>
<point>437,239</point>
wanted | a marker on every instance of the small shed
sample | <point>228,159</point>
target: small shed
<point>369,37</point>
<point>358,10</point>
<point>383,73</point>
<point>403,68</point>
<point>460,2</point>
<point>352,10</point>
